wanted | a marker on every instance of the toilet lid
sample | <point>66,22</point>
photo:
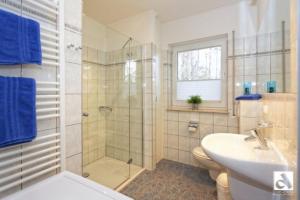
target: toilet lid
<point>198,151</point>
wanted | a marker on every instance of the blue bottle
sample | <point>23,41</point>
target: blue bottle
<point>271,86</point>
<point>247,88</point>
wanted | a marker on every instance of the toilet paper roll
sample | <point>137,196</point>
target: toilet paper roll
<point>192,129</point>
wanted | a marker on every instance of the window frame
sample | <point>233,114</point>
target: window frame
<point>219,40</point>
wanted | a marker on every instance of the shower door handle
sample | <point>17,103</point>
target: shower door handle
<point>129,161</point>
<point>85,114</point>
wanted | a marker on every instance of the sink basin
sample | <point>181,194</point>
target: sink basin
<point>239,156</point>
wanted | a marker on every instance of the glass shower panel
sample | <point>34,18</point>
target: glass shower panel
<point>117,121</point>
<point>127,101</point>
<point>93,121</point>
<point>135,66</point>
<point>112,104</point>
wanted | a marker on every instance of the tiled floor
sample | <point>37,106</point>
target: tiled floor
<point>172,181</point>
<point>110,172</point>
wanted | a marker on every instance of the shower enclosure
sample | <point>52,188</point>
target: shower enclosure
<point>112,105</point>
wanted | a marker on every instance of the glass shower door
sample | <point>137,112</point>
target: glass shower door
<point>135,71</point>
<point>117,121</point>
<point>128,117</point>
<point>113,114</point>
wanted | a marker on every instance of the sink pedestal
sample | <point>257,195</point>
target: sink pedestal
<point>243,189</point>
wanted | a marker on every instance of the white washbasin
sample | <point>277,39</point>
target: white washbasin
<point>234,153</point>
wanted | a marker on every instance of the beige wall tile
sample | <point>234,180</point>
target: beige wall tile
<point>233,121</point>
<point>206,118</point>
<point>173,141</point>
<point>220,119</point>
<point>249,108</point>
<point>205,129</point>
<point>184,143</point>
<point>220,129</point>
<point>233,130</point>
<point>183,129</point>
<point>247,123</point>
<point>173,127</point>
<point>173,154</point>
<point>173,116</point>
<point>184,116</point>
<point>184,157</point>
<point>92,55</point>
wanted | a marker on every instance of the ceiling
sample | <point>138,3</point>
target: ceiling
<point>109,11</point>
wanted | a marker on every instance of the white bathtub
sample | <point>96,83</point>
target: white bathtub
<point>67,186</point>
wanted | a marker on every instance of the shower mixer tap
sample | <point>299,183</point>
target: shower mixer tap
<point>105,108</point>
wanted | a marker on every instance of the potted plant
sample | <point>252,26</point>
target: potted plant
<point>195,101</point>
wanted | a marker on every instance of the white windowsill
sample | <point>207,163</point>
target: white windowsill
<point>200,110</point>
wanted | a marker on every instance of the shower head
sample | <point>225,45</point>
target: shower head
<point>130,39</point>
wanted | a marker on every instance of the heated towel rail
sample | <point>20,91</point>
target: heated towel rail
<point>25,164</point>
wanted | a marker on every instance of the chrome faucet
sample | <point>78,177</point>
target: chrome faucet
<point>255,134</point>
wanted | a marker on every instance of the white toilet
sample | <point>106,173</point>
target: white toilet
<point>207,163</point>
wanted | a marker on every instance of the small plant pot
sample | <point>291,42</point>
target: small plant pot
<point>195,106</point>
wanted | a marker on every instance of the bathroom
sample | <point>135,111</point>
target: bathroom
<point>166,100</point>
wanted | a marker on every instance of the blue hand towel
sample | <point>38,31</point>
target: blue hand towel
<point>249,97</point>
<point>20,40</point>
<point>17,110</point>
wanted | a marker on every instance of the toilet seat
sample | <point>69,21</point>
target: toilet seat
<point>207,163</point>
<point>199,153</point>
<point>204,160</point>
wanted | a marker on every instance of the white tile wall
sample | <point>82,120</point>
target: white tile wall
<point>73,77</point>
<point>73,84</point>
<point>73,140</point>
<point>74,164</point>
<point>179,142</point>
<point>73,109</point>
<point>249,112</point>
<point>73,13</point>
<point>73,46</point>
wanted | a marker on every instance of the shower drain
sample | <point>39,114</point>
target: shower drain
<point>85,175</point>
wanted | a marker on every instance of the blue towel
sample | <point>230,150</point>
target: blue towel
<point>20,40</point>
<point>249,97</point>
<point>17,110</point>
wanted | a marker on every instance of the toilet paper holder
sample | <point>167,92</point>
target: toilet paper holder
<point>193,124</point>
